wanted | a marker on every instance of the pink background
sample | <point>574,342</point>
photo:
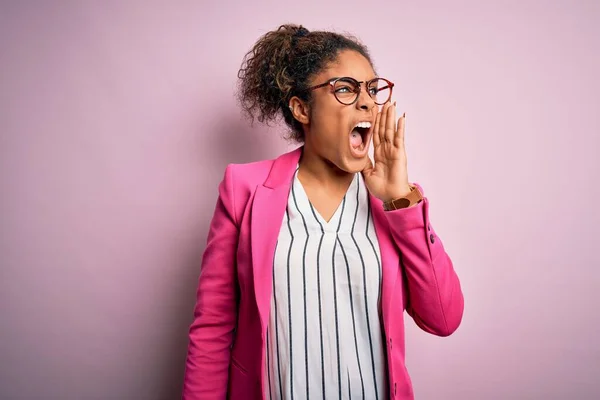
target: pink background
<point>118,118</point>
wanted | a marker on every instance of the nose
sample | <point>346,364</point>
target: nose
<point>364,101</point>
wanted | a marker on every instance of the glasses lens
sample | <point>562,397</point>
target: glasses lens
<point>346,90</point>
<point>380,91</point>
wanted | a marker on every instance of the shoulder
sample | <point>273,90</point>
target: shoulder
<point>271,172</point>
<point>239,184</point>
<point>241,180</point>
<point>247,175</point>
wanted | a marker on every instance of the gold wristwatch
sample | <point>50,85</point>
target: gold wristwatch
<point>414,197</point>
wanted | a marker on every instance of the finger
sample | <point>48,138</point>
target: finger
<point>376,138</point>
<point>390,122</point>
<point>382,122</point>
<point>399,138</point>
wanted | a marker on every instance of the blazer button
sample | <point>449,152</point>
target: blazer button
<point>431,238</point>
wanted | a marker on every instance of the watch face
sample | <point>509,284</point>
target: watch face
<point>398,203</point>
<point>402,203</point>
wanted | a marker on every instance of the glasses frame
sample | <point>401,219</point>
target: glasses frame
<point>333,81</point>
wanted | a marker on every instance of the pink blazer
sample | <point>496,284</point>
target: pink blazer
<point>227,337</point>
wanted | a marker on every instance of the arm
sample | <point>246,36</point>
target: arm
<point>215,313</point>
<point>435,299</point>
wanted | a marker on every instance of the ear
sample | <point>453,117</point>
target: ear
<point>300,110</point>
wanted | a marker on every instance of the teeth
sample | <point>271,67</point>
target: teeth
<point>366,125</point>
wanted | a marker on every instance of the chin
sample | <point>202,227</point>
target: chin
<point>353,165</point>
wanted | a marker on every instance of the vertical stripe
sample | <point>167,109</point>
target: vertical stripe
<point>362,383</point>
<point>289,295</point>
<point>319,296</point>
<point>349,389</point>
<point>374,251</point>
<point>269,367</point>
<point>335,303</point>
<point>304,294</point>
<point>364,275</point>
<point>337,331</point>
<point>277,330</point>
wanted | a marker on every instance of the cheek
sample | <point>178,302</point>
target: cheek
<point>329,123</point>
<point>375,111</point>
<point>334,128</point>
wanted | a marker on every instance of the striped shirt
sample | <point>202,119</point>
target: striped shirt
<point>324,339</point>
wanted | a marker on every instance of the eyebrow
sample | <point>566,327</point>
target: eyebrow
<point>358,80</point>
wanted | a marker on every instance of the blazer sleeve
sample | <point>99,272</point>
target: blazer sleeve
<point>215,312</point>
<point>434,299</point>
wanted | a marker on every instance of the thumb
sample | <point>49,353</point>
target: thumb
<point>368,169</point>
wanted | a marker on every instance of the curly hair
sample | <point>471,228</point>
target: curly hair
<point>279,67</point>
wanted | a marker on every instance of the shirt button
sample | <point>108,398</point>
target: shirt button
<point>428,227</point>
<point>432,238</point>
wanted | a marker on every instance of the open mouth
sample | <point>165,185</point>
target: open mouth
<point>359,138</point>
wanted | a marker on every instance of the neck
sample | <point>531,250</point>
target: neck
<point>314,169</point>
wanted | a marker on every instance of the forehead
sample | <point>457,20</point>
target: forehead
<point>348,63</point>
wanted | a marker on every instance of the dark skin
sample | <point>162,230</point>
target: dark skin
<point>329,161</point>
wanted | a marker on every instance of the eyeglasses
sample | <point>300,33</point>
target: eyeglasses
<point>346,90</point>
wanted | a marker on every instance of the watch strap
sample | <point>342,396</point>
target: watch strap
<point>412,198</point>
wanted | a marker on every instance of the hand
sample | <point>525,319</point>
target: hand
<point>388,178</point>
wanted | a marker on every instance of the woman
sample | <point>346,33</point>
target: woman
<point>313,257</point>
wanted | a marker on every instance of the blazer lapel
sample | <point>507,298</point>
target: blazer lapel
<point>390,261</point>
<point>268,208</point>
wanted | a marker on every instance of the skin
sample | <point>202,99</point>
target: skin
<point>328,163</point>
